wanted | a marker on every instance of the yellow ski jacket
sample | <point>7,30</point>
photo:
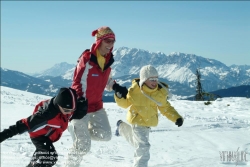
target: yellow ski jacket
<point>144,104</point>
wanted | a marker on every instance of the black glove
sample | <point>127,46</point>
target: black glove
<point>13,130</point>
<point>5,134</point>
<point>120,91</point>
<point>82,108</point>
<point>179,122</point>
<point>8,133</point>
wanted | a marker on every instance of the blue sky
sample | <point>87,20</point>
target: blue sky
<point>35,35</point>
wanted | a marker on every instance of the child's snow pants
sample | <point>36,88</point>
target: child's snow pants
<point>45,154</point>
<point>138,137</point>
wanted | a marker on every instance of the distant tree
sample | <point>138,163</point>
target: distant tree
<point>201,95</point>
<point>199,90</point>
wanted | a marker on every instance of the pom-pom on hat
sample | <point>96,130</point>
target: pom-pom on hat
<point>66,98</point>
<point>147,72</point>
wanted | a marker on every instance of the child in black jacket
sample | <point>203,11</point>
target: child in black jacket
<point>47,123</point>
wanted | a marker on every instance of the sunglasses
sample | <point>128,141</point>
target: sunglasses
<point>153,79</point>
<point>109,41</point>
<point>68,110</point>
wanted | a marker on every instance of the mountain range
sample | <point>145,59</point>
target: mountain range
<point>176,69</point>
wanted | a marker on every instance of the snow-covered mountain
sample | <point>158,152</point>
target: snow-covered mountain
<point>57,70</point>
<point>181,68</point>
<point>176,69</point>
<point>21,81</point>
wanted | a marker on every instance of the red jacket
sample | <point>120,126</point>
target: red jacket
<point>89,80</point>
<point>47,120</point>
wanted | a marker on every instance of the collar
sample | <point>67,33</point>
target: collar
<point>146,89</point>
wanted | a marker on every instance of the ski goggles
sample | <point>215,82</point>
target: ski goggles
<point>153,79</point>
<point>109,41</point>
<point>68,110</point>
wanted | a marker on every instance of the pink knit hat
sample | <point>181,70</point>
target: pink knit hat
<point>101,34</point>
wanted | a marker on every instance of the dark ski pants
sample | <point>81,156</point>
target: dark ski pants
<point>45,154</point>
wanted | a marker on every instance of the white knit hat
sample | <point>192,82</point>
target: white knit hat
<point>147,72</point>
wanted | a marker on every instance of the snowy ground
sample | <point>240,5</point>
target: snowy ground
<point>211,134</point>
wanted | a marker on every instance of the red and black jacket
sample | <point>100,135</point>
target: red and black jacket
<point>90,80</point>
<point>47,120</point>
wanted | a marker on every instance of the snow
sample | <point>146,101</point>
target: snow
<point>209,135</point>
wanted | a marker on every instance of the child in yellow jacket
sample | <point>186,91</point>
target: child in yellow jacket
<point>144,98</point>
